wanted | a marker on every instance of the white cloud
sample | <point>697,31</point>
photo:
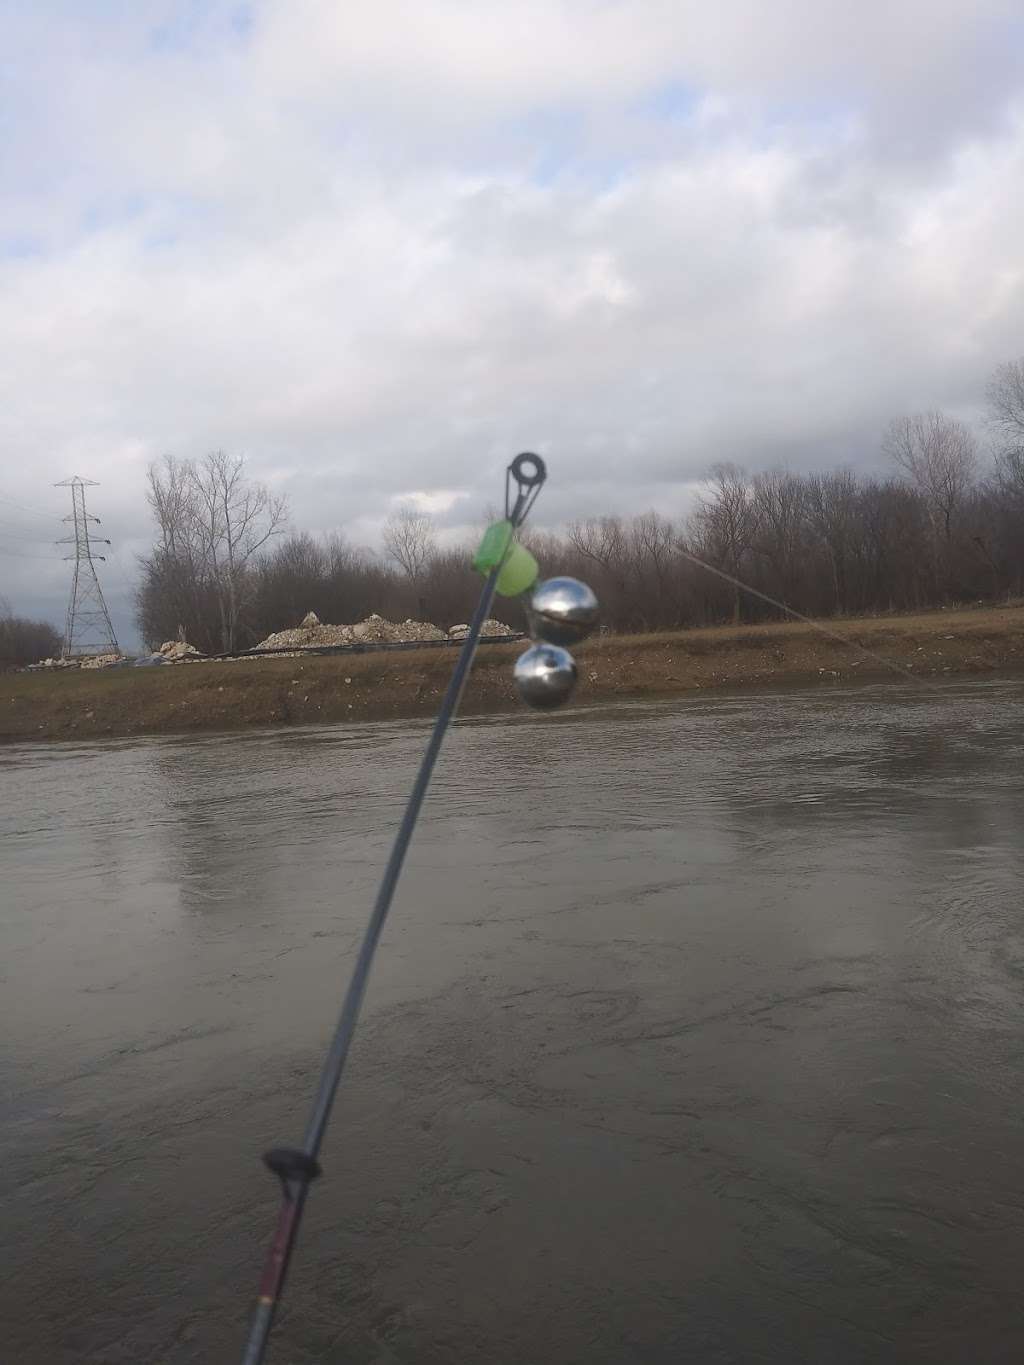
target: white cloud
<point>381,249</point>
<point>435,501</point>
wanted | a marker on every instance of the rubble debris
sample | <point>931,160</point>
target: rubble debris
<point>374,630</point>
<point>489,628</point>
<point>79,661</point>
<point>52,663</point>
<point>177,651</point>
<point>420,630</point>
<point>307,636</point>
<point>99,660</point>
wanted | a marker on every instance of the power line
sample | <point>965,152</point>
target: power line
<point>20,554</point>
<point>122,573</point>
<point>8,534</point>
<point>32,511</point>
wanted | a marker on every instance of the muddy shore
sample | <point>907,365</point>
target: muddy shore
<point>258,692</point>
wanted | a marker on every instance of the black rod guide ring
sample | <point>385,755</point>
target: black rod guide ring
<point>290,1163</point>
<point>528,470</point>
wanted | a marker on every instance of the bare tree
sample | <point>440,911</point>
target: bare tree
<point>653,541</point>
<point>237,517</point>
<point>600,546</point>
<point>176,582</point>
<point>1009,474</point>
<point>601,539</point>
<point>833,513</point>
<point>940,457</point>
<point>725,522</point>
<point>1005,520</point>
<point>410,540</point>
<point>212,522</point>
<point>1006,402</point>
<point>781,503</point>
<point>171,497</point>
<point>291,579</point>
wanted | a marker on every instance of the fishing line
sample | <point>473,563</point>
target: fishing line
<point>807,620</point>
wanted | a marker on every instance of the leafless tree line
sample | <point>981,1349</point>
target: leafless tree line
<point>23,641</point>
<point>943,527</point>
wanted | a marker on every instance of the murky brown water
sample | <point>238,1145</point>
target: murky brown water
<point>697,1035</point>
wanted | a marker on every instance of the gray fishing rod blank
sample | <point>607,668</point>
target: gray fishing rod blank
<point>297,1167</point>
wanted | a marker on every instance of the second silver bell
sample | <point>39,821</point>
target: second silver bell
<point>563,611</point>
<point>545,676</point>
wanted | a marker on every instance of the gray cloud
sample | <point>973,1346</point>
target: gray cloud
<point>379,253</point>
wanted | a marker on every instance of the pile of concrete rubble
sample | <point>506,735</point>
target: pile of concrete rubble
<point>309,635</point>
<point>170,652</point>
<point>53,663</point>
<point>374,630</point>
<point>177,652</point>
<point>100,660</point>
<point>489,629</point>
<point>80,661</point>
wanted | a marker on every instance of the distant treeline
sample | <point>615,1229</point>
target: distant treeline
<point>299,575</point>
<point>947,526</point>
<point>23,641</point>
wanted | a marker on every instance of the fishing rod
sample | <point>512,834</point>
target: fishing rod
<point>561,611</point>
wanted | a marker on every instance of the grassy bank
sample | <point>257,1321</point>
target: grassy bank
<point>280,691</point>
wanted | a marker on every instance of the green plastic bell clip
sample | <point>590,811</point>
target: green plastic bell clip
<point>519,569</point>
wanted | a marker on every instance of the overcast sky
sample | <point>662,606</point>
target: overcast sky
<point>379,248</point>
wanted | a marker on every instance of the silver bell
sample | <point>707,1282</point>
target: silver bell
<point>563,611</point>
<point>545,676</point>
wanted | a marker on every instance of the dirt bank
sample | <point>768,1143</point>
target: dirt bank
<point>279,691</point>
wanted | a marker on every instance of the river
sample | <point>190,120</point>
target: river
<point>696,1035</point>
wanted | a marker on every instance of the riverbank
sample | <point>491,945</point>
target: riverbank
<point>249,693</point>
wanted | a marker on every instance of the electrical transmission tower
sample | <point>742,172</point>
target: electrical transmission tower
<point>88,629</point>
